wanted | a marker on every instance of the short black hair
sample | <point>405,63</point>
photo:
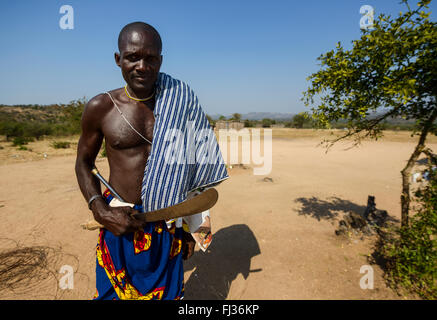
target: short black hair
<point>136,26</point>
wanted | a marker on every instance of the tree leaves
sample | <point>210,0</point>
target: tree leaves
<point>392,67</point>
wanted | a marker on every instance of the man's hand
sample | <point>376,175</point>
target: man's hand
<point>118,220</point>
<point>188,244</point>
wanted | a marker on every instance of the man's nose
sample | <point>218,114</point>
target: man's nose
<point>142,65</point>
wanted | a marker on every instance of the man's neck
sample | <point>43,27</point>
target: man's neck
<point>143,94</point>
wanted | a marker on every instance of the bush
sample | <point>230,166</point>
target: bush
<point>266,122</point>
<point>288,124</point>
<point>411,254</point>
<point>11,129</point>
<point>301,119</point>
<point>249,123</point>
<point>72,116</point>
<point>38,130</point>
<point>60,144</point>
<point>24,148</point>
<point>19,141</point>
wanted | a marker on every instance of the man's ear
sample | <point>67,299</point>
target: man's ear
<point>117,58</point>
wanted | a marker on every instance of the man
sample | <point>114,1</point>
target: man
<point>138,260</point>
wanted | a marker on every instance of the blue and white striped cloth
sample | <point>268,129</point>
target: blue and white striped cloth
<point>185,154</point>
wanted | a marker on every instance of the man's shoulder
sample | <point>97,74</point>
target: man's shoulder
<point>102,102</point>
<point>98,107</point>
<point>99,102</point>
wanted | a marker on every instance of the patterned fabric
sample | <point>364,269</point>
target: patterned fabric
<point>143,265</point>
<point>185,154</point>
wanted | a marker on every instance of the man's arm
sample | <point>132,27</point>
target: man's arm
<point>117,220</point>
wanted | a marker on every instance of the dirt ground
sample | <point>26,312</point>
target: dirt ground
<point>274,238</point>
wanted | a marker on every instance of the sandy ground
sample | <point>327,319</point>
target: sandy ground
<point>274,238</point>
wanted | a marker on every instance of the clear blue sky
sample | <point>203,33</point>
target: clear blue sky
<point>238,55</point>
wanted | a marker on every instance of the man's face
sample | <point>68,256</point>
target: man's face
<point>140,60</point>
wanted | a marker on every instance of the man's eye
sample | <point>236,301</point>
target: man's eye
<point>152,59</point>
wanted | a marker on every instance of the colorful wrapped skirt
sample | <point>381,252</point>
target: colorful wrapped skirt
<point>142,265</point>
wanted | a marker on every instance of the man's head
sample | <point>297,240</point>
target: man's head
<point>140,56</point>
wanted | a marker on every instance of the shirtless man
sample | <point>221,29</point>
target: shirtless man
<point>139,60</point>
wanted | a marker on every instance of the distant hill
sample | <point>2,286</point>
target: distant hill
<point>26,113</point>
<point>57,113</point>
<point>259,116</point>
<point>35,121</point>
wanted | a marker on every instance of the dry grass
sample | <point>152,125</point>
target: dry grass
<point>40,150</point>
<point>37,150</point>
<point>388,135</point>
<point>31,272</point>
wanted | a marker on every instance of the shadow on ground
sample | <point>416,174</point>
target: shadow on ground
<point>327,209</point>
<point>228,255</point>
<point>330,209</point>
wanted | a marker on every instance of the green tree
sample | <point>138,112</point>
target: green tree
<point>38,130</point>
<point>249,123</point>
<point>210,120</point>
<point>72,116</point>
<point>392,71</point>
<point>300,119</point>
<point>236,117</point>
<point>11,129</point>
<point>266,122</point>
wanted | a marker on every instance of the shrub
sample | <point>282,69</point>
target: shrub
<point>11,129</point>
<point>411,252</point>
<point>249,123</point>
<point>60,144</point>
<point>266,122</point>
<point>19,141</point>
<point>301,119</point>
<point>288,124</point>
<point>38,130</point>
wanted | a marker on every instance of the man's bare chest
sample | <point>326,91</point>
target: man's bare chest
<point>120,132</point>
